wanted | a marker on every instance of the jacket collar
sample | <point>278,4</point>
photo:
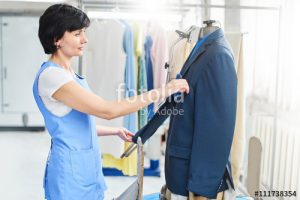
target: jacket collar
<point>208,41</point>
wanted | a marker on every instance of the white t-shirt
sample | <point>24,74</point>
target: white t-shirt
<point>50,80</point>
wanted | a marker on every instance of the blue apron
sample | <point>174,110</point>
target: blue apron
<point>73,170</point>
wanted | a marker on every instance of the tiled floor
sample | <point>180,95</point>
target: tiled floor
<point>22,162</point>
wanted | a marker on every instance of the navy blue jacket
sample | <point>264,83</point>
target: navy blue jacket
<point>199,140</point>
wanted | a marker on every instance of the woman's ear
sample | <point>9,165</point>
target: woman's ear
<point>57,43</point>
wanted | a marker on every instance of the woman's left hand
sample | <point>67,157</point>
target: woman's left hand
<point>124,134</point>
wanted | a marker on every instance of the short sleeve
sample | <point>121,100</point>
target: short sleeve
<point>51,79</point>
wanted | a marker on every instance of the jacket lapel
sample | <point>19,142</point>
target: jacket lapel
<point>209,40</point>
<point>191,59</point>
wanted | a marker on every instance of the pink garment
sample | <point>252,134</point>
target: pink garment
<point>159,53</point>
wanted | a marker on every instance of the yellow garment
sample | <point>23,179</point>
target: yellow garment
<point>138,45</point>
<point>127,165</point>
<point>238,143</point>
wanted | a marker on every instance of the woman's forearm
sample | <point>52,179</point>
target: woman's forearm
<point>121,132</point>
<point>74,96</point>
<point>105,130</point>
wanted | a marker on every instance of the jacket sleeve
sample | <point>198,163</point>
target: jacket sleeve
<point>215,111</point>
<point>158,119</point>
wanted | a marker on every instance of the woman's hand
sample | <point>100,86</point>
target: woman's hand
<point>177,85</point>
<point>124,134</point>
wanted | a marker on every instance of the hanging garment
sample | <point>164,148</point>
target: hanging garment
<point>109,39</point>
<point>200,138</point>
<point>105,59</point>
<point>130,121</point>
<point>73,169</point>
<point>149,71</point>
<point>178,54</point>
<point>142,87</point>
<point>159,53</point>
<point>238,144</point>
<point>141,73</point>
<point>138,39</point>
<point>159,57</point>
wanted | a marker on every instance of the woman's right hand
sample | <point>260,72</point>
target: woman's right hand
<point>177,85</point>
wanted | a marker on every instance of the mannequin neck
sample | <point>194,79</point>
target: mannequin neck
<point>207,30</point>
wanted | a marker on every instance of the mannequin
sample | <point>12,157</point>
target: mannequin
<point>185,153</point>
<point>209,28</point>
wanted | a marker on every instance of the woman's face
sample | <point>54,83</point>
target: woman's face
<point>72,43</point>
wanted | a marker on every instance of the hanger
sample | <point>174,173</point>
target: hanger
<point>191,34</point>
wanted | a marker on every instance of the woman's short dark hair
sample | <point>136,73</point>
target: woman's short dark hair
<point>56,20</point>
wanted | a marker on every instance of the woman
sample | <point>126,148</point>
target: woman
<point>73,170</point>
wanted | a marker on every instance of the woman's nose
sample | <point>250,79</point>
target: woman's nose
<point>84,38</point>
